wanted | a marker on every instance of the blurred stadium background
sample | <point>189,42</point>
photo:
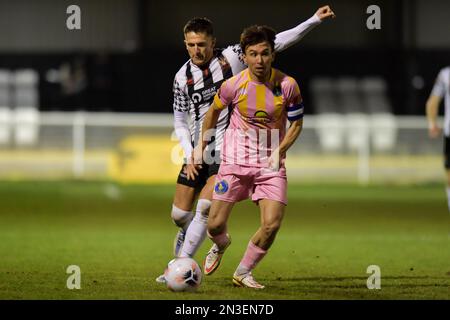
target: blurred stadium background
<point>86,143</point>
<point>95,103</point>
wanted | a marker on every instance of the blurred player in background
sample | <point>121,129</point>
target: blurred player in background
<point>262,99</point>
<point>194,87</point>
<point>440,90</point>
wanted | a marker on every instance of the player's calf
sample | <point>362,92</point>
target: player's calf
<point>196,232</point>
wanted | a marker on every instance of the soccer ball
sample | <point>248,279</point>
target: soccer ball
<point>183,274</point>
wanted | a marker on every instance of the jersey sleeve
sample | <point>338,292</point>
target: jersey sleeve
<point>290,37</point>
<point>180,98</point>
<point>294,102</point>
<point>224,95</point>
<point>440,84</point>
<point>235,58</point>
<point>182,132</point>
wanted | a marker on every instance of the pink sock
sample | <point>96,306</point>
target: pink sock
<point>221,239</point>
<point>252,256</point>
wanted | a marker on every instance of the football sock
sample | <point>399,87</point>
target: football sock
<point>196,232</point>
<point>181,217</point>
<point>252,256</point>
<point>221,239</point>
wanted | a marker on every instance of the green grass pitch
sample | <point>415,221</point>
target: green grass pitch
<point>121,238</point>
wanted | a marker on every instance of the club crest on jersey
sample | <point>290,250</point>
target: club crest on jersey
<point>221,187</point>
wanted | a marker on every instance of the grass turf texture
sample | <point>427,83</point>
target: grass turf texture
<point>121,237</point>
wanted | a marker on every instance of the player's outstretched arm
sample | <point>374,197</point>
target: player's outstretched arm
<point>290,37</point>
<point>325,12</point>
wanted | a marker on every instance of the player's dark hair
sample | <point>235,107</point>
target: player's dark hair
<point>197,25</point>
<point>257,34</point>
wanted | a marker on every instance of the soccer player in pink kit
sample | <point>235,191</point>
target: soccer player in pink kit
<point>254,150</point>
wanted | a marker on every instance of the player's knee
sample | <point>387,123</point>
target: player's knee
<point>271,228</point>
<point>181,217</point>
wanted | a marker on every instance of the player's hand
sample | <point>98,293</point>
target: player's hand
<point>191,170</point>
<point>194,164</point>
<point>434,131</point>
<point>325,12</point>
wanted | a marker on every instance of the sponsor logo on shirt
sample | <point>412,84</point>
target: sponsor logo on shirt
<point>260,117</point>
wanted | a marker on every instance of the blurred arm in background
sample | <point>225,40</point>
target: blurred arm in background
<point>432,106</point>
<point>432,112</point>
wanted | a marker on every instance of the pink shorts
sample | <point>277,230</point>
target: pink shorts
<point>235,183</point>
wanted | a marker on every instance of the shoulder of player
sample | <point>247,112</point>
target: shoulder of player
<point>236,78</point>
<point>180,76</point>
<point>446,70</point>
<point>283,79</point>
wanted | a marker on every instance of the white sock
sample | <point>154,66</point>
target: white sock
<point>196,232</point>
<point>448,198</point>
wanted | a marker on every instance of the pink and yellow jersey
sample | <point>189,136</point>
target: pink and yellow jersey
<point>259,115</point>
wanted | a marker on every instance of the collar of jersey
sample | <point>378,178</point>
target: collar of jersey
<point>271,79</point>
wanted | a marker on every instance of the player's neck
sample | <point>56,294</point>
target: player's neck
<point>263,79</point>
<point>202,66</point>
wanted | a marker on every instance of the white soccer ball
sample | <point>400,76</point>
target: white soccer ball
<point>183,274</point>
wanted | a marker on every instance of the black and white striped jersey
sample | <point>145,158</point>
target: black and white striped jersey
<point>194,89</point>
<point>442,89</point>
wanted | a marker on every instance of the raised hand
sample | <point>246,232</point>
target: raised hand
<point>325,12</point>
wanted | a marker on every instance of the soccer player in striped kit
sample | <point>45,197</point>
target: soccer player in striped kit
<point>194,87</point>
<point>262,100</point>
<point>441,90</point>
